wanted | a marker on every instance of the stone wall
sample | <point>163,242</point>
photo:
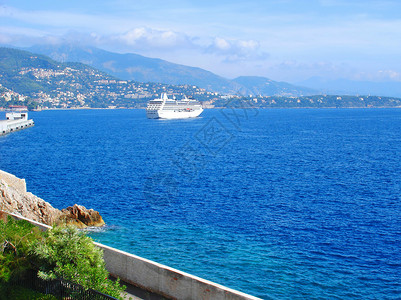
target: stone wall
<point>14,198</point>
<point>13,181</point>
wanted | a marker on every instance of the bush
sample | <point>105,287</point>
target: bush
<point>61,252</point>
<point>17,238</point>
<point>70,254</point>
<point>17,293</point>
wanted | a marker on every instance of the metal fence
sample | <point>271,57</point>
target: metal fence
<point>60,288</point>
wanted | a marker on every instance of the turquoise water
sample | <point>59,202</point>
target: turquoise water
<point>275,203</point>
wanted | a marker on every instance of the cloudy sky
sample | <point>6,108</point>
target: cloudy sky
<point>288,40</point>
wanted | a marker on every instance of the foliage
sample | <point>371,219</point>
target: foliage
<point>61,252</point>
<point>17,238</point>
<point>70,254</point>
<point>8,292</point>
<point>317,101</point>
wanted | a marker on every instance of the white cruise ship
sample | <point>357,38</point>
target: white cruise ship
<point>165,108</point>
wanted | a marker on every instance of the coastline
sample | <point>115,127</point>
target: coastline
<point>220,107</point>
<point>132,269</point>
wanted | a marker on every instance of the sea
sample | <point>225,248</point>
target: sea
<point>276,203</point>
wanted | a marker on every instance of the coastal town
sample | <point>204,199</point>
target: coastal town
<point>86,87</point>
<point>40,83</point>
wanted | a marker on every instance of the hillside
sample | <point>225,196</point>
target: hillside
<point>316,101</point>
<point>28,78</point>
<point>43,79</point>
<point>352,87</point>
<point>136,67</point>
<point>38,81</point>
<point>266,87</point>
<point>144,69</point>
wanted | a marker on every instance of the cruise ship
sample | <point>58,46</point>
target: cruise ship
<point>165,108</point>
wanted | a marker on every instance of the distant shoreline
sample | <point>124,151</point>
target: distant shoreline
<point>143,108</point>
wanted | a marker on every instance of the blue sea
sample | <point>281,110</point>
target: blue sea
<point>280,204</point>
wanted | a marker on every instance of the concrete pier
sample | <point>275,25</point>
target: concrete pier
<point>15,120</point>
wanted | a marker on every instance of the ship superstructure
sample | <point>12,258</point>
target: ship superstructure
<point>165,108</point>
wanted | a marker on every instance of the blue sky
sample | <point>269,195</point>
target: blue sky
<point>288,40</point>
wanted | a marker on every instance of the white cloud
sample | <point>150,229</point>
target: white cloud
<point>390,74</point>
<point>249,45</point>
<point>221,44</point>
<point>142,38</point>
<point>342,35</point>
<point>381,75</point>
<point>235,50</point>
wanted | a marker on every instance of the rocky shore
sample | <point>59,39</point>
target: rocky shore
<point>14,198</point>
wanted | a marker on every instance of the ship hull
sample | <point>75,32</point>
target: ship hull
<point>167,114</point>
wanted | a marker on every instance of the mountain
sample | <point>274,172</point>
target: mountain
<point>263,86</point>
<point>21,71</point>
<point>352,87</point>
<point>137,67</point>
<point>37,80</point>
<point>144,69</point>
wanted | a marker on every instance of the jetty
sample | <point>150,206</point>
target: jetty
<point>16,119</point>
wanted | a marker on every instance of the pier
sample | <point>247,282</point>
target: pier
<point>16,119</point>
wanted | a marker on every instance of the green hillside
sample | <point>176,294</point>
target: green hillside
<point>39,80</point>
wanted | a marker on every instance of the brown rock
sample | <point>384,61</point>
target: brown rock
<point>3,216</point>
<point>15,199</point>
<point>78,213</point>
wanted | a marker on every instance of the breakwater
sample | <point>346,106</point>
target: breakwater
<point>14,122</point>
<point>7,126</point>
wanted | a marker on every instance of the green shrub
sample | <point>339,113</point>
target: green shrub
<point>61,252</point>
<point>21,293</point>
<point>17,238</point>
<point>70,254</point>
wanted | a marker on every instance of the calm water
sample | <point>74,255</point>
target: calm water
<point>275,203</point>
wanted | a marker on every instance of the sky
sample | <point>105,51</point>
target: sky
<point>284,40</point>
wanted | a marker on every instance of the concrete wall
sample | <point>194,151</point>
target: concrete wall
<point>41,226</point>
<point>19,124</point>
<point>13,181</point>
<point>3,127</point>
<point>15,125</point>
<point>158,278</point>
<point>164,280</point>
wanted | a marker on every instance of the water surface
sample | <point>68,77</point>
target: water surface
<point>276,203</point>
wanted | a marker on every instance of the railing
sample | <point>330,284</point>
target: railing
<point>60,288</point>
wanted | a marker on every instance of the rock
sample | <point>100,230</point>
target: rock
<point>15,199</point>
<point>3,216</point>
<point>27,205</point>
<point>79,214</point>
